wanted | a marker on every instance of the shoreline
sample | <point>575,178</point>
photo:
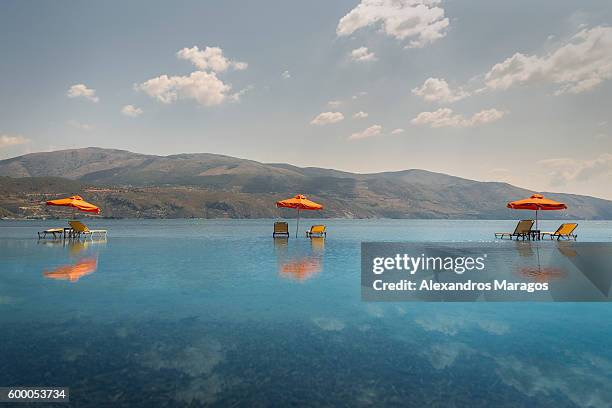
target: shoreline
<point>293,218</point>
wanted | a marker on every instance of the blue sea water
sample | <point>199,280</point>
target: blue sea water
<point>217,313</point>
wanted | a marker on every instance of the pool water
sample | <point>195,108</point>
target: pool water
<point>216,312</point>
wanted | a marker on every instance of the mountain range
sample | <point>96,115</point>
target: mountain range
<point>126,184</point>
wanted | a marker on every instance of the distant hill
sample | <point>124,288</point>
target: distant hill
<point>128,184</point>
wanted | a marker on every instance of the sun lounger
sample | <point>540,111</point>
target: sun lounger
<point>522,230</point>
<point>79,229</point>
<point>564,231</point>
<point>316,231</point>
<point>56,232</point>
<point>281,229</point>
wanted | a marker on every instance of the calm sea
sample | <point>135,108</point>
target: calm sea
<point>216,312</point>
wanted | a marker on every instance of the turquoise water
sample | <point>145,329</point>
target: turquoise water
<point>216,312</point>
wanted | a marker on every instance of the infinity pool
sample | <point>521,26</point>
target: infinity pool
<point>216,312</point>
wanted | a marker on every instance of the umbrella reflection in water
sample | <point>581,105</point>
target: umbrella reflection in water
<point>301,269</point>
<point>537,272</point>
<point>542,275</point>
<point>73,272</point>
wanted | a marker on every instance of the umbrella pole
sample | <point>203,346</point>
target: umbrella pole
<point>536,219</point>
<point>297,226</point>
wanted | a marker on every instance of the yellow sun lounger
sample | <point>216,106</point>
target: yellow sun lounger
<point>281,229</point>
<point>564,231</point>
<point>56,232</point>
<point>316,231</point>
<point>521,231</point>
<point>78,229</point>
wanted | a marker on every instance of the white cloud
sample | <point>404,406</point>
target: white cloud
<point>563,171</point>
<point>359,95</point>
<point>329,323</point>
<point>196,364</point>
<point>397,131</point>
<point>444,117</point>
<point>360,115</point>
<point>372,131</point>
<point>210,58</point>
<point>81,126</point>
<point>451,325</point>
<point>362,54</point>
<point>421,21</point>
<point>204,87</point>
<point>578,66</point>
<point>375,310</point>
<point>132,111</point>
<point>582,380</point>
<point>326,118</point>
<point>198,359</point>
<point>12,140</point>
<point>437,90</point>
<point>286,75</point>
<point>235,97</point>
<point>334,104</point>
<point>444,355</point>
<point>81,91</point>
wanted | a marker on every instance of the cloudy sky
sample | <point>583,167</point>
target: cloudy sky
<point>514,91</point>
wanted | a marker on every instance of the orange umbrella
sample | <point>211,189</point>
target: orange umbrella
<point>74,272</point>
<point>536,203</point>
<point>75,202</point>
<point>299,202</point>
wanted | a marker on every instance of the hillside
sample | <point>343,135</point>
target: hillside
<point>128,184</point>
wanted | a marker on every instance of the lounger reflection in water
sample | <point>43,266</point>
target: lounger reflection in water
<point>76,247</point>
<point>317,244</point>
<point>522,230</point>
<point>564,231</point>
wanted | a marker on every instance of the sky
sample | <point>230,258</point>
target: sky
<point>515,91</point>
